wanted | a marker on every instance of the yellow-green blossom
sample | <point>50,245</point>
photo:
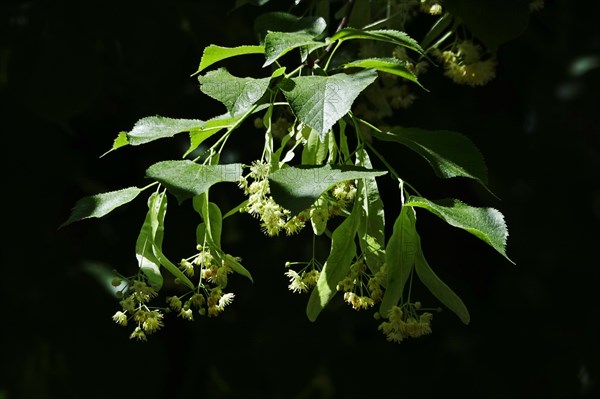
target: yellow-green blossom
<point>120,318</point>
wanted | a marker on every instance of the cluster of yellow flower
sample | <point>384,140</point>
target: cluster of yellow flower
<point>358,294</point>
<point>273,217</point>
<point>215,301</point>
<point>134,306</point>
<point>433,7</point>
<point>213,270</point>
<point>465,63</point>
<point>404,322</point>
<point>302,281</point>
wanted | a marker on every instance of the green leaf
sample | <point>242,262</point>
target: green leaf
<point>238,94</point>
<point>449,153</point>
<point>277,44</point>
<point>235,209</point>
<point>298,187</point>
<point>392,66</point>
<point>385,35</point>
<point>213,54</point>
<point>236,266</point>
<point>320,101</point>
<point>399,258</point>
<point>211,214</point>
<point>98,205</point>
<point>214,125</point>
<point>184,179</point>
<point>487,224</point>
<point>172,268</point>
<point>371,228</point>
<point>209,128</point>
<point>441,25</point>
<point>439,289</point>
<point>119,142</point>
<point>491,21</point>
<point>336,267</point>
<point>315,150</point>
<point>150,236</point>
<point>197,137</point>
<point>157,127</point>
<point>284,22</point>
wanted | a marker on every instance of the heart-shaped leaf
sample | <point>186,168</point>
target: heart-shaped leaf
<point>320,101</point>
<point>487,224</point>
<point>185,179</point>
<point>298,187</point>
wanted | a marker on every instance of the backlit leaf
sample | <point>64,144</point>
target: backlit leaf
<point>277,44</point>
<point>392,66</point>
<point>98,205</point>
<point>386,35</point>
<point>120,141</point>
<point>487,224</point>
<point>337,266</point>
<point>213,54</point>
<point>157,127</point>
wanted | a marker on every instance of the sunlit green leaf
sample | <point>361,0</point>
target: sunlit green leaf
<point>209,128</point>
<point>449,153</point>
<point>386,35</point>
<point>235,209</point>
<point>439,289</point>
<point>320,101</point>
<point>399,258</point>
<point>184,179</point>
<point>277,44</point>
<point>487,224</point>
<point>297,187</point>
<point>371,227</point>
<point>120,141</point>
<point>236,266</point>
<point>315,150</point>
<point>98,205</point>
<point>157,127</point>
<point>392,66</point>
<point>172,268</point>
<point>151,235</point>
<point>237,94</point>
<point>213,54</point>
<point>337,266</point>
<point>225,121</point>
<point>441,26</point>
<point>211,214</point>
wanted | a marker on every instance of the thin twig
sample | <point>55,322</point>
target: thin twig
<point>343,23</point>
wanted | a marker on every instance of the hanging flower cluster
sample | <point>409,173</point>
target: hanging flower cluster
<point>404,322</point>
<point>465,63</point>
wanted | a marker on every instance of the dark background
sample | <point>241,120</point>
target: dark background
<point>73,74</point>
